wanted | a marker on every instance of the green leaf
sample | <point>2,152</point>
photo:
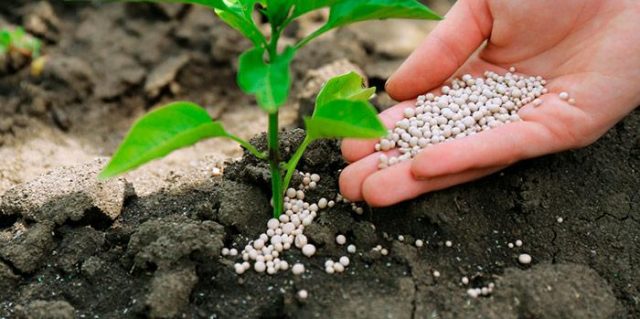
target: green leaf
<point>304,6</point>
<point>270,82</point>
<point>349,11</point>
<point>241,24</point>
<point>5,38</point>
<point>5,41</point>
<point>238,15</point>
<point>345,118</point>
<point>278,11</point>
<point>161,132</point>
<point>349,86</point>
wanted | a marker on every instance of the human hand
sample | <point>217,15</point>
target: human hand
<point>589,48</point>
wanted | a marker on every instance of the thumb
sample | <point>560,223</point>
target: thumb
<point>448,46</point>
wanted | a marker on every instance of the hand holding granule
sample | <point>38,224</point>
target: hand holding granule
<point>590,49</point>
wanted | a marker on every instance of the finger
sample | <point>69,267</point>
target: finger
<point>353,176</point>
<point>353,149</point>
<point>545,129</point>
<point>396,184</point>
<point>467,25</point>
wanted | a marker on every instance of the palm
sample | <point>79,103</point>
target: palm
<point>589,48</point>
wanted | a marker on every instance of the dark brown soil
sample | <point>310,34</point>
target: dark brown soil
<point>159,257</point>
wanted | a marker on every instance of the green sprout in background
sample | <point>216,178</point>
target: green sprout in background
<point>342,107</point>
<point>17,40</point>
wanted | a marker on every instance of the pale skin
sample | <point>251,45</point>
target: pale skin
<point>589,48</point>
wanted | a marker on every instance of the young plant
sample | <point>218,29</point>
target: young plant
<point>17,40</point>
<point>342,107</point>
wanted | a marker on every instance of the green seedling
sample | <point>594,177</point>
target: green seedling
<point>17,40</point>
<point>342,107</point>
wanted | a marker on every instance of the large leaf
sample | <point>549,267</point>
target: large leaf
<point>304,6</point>
<point>349,11</point>
<point>161,132</point>
<point>269,81</point>
<point>345,118</point>
<point>349,86</point>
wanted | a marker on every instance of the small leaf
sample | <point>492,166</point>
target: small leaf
<point>238,15</point>
<point>345,118</point>
<point>349,86</point>
<point>5,41</point>
<point>349,11</point>
<point>278,11</point>
<point>5,38</point>
<point>161,132</point>
<point>242,25</point>
<point>270,82</point>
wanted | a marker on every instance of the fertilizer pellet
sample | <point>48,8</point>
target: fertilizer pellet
<point>344,260</point>
<point>338,267</point>
<point>436,274</point>
<point>519,243</point>
<point>322,203</point>
<point>308,250</point>
<point>448,243</point>
<point>466,107</point>
<point>260,266</point>
<point>303,294</point>
<point>560,220</point>
<point>297,269</point>
<point>329,270</point>
<point>400,238</point>
<point>563,96</point>
<point>525,259</point>
<point>474,292</point>
<point>225,251</point>
<point>465,281</point>
<point>384,251</point>
<point>351,249</point>
<point>510,245</point>
<point>341,240</point>
<point>239,269</point>
<point>482,291</point>
<point>419,243</point>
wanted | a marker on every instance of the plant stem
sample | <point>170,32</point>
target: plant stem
<point>249,147</point>
<point>274,164</point>
<point>293,162</point>
<point>272,47</point>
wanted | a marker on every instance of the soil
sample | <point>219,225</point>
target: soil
<point>148,244</point>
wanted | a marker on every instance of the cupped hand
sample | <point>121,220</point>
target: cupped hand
<point>589,48</point>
